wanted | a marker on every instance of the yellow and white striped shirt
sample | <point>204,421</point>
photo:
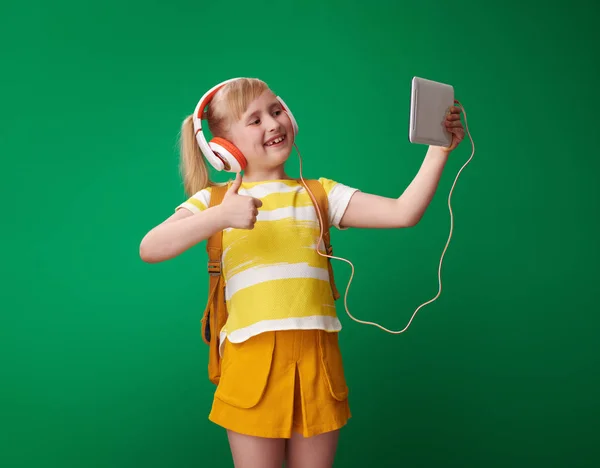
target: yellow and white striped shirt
<point>275,279</point>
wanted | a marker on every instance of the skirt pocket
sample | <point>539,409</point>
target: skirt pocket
<point>331,359</point>
<point>245,370</point>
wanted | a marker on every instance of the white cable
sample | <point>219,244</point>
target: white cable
<point>352,266</point>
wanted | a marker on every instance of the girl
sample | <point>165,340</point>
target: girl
<point>282,395</point>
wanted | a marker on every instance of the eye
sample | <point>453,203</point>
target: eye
<point>255,122</point>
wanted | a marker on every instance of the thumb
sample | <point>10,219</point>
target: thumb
<point>235,186</point>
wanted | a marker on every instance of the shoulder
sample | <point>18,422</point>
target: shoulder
<point>327,184</point>
<point>335,189</point>
<point>338,198</point>
<point>200,200</point>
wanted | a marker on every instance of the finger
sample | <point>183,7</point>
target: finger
<point>453,117</point>
<point>235,186</point>
<point>453,124</point>
<point>257,202</point>
<point>454,110</point>
<point>458,133</point>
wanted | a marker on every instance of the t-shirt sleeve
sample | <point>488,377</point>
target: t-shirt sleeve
<point>338,196</point>
<point>197,202</point>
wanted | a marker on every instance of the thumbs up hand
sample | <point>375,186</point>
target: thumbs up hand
<point>239,211</point>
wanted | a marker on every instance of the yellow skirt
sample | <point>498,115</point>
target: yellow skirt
<point>281,382</point>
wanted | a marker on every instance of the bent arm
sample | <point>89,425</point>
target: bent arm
<point>373,211</point>
<point>179,232</point>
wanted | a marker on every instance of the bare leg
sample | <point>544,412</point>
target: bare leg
<point>256,452</point>
<point>312,452</point>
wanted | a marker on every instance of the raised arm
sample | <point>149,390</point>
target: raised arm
<point>366,210</point>
<point>373,211</point>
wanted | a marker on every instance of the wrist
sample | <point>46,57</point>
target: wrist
<point>439,152</point>
<point>219,217</point>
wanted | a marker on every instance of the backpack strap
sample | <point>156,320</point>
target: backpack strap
<point>214,249</point>
<point>321,196</point>
<point>214,244</point>
<point>215,314</point>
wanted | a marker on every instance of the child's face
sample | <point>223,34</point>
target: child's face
<point>264,123</point>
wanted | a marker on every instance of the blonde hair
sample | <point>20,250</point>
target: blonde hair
<point>227,106</point>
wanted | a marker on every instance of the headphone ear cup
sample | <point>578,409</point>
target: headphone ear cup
<point>290,115</point>
<point>232,157</point>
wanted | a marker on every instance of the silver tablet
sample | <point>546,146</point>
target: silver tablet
<point>429,103</point>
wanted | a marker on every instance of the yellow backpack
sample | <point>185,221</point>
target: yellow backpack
<point>215,315</point>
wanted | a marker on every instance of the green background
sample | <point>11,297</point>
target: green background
<point>102,364</point>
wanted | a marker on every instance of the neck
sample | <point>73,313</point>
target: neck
<point>261,174</point>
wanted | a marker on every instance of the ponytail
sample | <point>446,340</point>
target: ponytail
<point>192,165</point>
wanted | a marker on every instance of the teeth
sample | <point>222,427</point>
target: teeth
<point>275,141</point>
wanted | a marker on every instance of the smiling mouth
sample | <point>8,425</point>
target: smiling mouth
<point>276,142</point>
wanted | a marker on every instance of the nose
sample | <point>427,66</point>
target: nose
<point>272,124</point>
